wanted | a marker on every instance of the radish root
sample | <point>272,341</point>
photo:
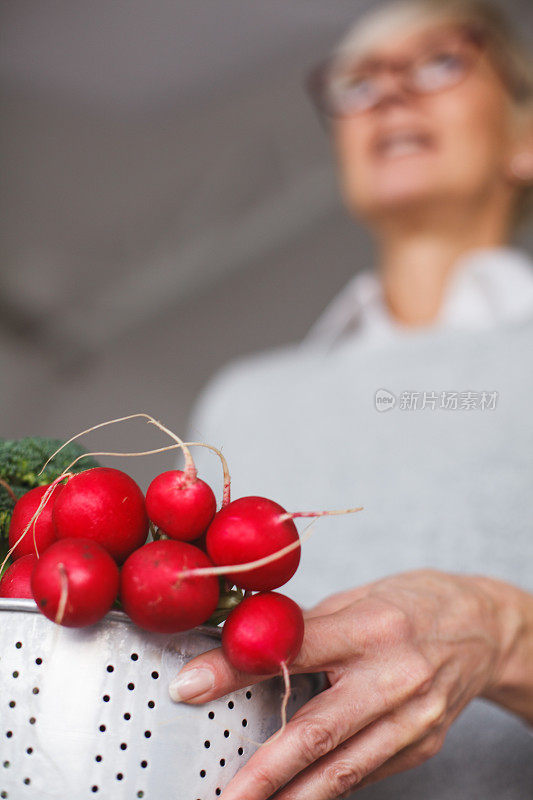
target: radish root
<point>64,594</point>
<point>294,514</point>
<point>44,499</point>
<point>284,702</point>
<point>286,696</point>
<point>260,562</point>
<point>8,489</point>
<point>190,467</point>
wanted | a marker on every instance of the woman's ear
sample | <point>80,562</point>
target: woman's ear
<point>519,166</point>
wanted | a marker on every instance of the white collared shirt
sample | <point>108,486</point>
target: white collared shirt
<point>487,286</point>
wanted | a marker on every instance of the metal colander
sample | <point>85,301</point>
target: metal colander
<point>85,713</point>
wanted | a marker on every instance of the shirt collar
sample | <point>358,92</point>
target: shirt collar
<point>486,288</point>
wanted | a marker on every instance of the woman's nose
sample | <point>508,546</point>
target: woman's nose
<point>391,89</point>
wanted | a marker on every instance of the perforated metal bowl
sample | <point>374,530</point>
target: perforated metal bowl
<point>86,713</point>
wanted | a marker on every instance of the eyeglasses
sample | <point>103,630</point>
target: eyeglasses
<point>340,88</point>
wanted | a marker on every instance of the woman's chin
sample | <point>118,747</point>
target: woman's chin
<point>396,200</point>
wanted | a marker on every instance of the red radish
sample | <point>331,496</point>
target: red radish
<point>43,528</point>
<point>263,633</point>
<point>248,529</point>
<point>154,594</point>
<point>16,580</point>
<point>75,582</point>
<point>180,504</point>
<point>105,505</point>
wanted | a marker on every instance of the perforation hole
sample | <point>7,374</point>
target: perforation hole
<point>38,661</point>
<point>110,668</point>
<point>222,762</point>
<point>32,720</point>
<point>94,788</point>
<point>144,764</point>
<point>127,715</point>
<point>3,795</point>
<point>155,675</point>
<point>207,744</point>
<point>12,704</point>
<point>106,698</point>
<point>211,715</point>
<point>134,657</point>
<point>218,791</point>
<point>244,723</point>
<point>226,734</point>
<point>102,728</point>
<point>98,758</point>
<point>26,781</point>
<point>248,694</point>
<point>9,734</point>
<point>131,686</point>
<point>148,734</point>
<point>29,750</point>
<point>231,704</point>
<point>123,746</point>
<point>240,751</point>
<point>6,764</point>
<point>119,776</point>
<point>18,645</point>
<point>151,704</point>
<point>203,773</point>
<point>140,793</point>
<point>35,690</point>
<point>15,673</point>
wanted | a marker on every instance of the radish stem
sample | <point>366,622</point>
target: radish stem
<point>190,468</point>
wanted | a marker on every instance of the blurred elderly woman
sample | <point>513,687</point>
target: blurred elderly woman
<point>430,658</point>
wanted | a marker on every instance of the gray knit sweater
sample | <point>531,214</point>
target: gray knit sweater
<point>445,477</point>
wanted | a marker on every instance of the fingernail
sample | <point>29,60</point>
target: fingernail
<point>190,684</point>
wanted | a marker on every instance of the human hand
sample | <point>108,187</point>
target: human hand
<point>403,656</point>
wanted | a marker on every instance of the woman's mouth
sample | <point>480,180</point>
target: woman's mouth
<point>398,144</point>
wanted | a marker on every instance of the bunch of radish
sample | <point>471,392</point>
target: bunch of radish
<point>80,546</point>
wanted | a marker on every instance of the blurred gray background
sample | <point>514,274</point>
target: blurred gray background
<point>169,203</point>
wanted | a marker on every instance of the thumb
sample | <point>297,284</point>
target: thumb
<point>208,677</point>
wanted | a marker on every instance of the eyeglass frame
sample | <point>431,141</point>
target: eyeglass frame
<point>317,78</point>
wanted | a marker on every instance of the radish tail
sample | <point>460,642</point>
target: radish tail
<point>294,514</point>
<point>286,696</point>
<point>64,594</point>
<point>200,571</point>
<point>190,468</point>
<point>8,489</point>
<point>44,499</point>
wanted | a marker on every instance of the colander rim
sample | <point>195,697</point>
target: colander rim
<point>30,606</point>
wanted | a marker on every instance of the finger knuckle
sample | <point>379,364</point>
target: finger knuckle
<point>315,739</point>
<point>420,675</point>
<point>429,747</point>
<point>394,622</point>
<point>264,781</point>
<point>340,778</point>
<point>435,712</point>
<point>412,678</point>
